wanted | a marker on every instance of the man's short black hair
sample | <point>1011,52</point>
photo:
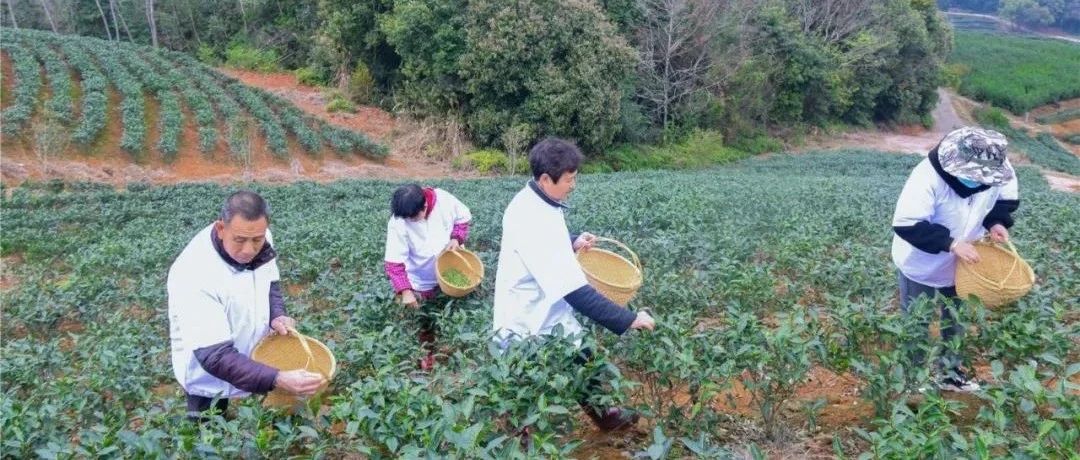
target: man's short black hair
<point>408,201</point>
<point>554,157</point>
<point>246,204</point>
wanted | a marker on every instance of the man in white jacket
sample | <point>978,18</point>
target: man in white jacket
<point>223,298</point>
<point>964,189</point>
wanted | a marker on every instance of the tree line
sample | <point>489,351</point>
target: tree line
<point>603,72</point>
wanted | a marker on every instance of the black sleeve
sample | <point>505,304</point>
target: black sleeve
<point>225,362</point>
<point>1001,213</point>
<point>598,308</point>
<point>277,301</point>
<point>927,237</point>
<point>573,238</point>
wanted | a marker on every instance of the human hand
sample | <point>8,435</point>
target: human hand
<point>584,242</point>
<point>299,382</point>
<point>643,321</point>
<point>282,324</point>
<point>408,299</point>
<point>999,234</point>
<point>965,251</point>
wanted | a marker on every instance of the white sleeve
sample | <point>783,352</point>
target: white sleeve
<point>550,260</point>
<point>461,212</point>
<point>197,314</point>
<point>397,245</point>
<point>1011,189</point>
<point>916,202</point>
<point>274,272</point>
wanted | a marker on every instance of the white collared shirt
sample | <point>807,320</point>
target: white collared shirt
<point>536,269</point>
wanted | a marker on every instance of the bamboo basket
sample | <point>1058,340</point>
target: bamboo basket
<point>465,261</point>
<point>292,352</point>
<point>615,276</point>
<point>999,278</point>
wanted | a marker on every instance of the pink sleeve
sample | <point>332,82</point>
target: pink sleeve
<point>395,271</point>
<point>460,232</point>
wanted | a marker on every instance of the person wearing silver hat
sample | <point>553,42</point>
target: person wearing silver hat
<point>963,191</point>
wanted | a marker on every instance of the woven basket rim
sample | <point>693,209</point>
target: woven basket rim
<point>475,277</point>
<point>311,342</point>
<point>607,253</point>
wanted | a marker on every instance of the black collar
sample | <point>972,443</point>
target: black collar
<point>543,196</point>
<point>953,182</point>
<point>266,254</point>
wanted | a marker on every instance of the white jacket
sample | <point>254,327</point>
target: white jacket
<point>927,197</point>
<point>418,244</point>
<point>211,302</point>
<point>537,268</point>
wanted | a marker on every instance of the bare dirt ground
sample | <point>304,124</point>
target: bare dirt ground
<point>953,111</point>
<point>105,162</point>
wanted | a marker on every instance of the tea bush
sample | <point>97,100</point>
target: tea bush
<point>757,272</point>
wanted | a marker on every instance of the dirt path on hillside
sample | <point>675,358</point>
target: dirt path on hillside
<point>953,111</point>
<point>907,139</point>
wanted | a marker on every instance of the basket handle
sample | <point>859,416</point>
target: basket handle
<point>303,344</point>
<point>1016,262</point>
<point>463,259</point>
<point>633,256</point>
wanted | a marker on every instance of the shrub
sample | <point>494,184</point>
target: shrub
<point>308,76</point>
<point>208,55</point>
<point>361,85</point>
<point>243,56</point>
<point>757,144</point>
<point>338,103</point>
<point>991,116</point>
<point>487,161</point>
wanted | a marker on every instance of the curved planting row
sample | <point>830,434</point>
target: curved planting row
<point>342,140</point>
<point>170,78</point>
<point>229,108</point>
<point>60,105</point>
<point>170,121</point>
<point>94,97</point>
<point>305,128</point>
<point>197,101</point>
<point>133,105</point>
<point>27,86</point>
<point>217,84</point>
<point>298,123</point>
<point>268,122</point>
<point>345,140</point>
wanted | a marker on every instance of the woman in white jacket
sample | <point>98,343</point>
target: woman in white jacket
<point>964,189</point>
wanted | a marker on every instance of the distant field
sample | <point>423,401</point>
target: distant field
<point>1014,72</point>
<point>974,23</point>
